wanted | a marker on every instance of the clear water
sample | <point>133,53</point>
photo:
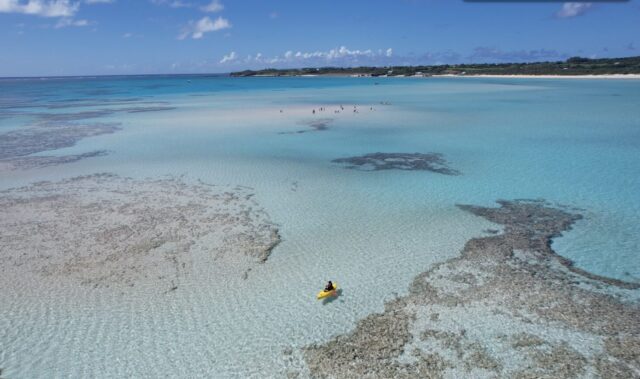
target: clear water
<point>575,142</point>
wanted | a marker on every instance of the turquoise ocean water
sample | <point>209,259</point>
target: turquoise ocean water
<point>574,142</point>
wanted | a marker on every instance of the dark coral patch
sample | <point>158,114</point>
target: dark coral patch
<point>433,162</point>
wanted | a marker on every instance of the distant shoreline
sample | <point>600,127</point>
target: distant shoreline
<point>572,67</point>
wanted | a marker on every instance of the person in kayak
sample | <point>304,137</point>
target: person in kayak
<point>329,287</point>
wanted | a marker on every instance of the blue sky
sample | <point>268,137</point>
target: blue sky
<point>86,37</point>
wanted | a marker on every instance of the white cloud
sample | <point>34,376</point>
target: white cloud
<point>42,8</point>
<point>180,4</point>
<point>213,7</point>
<point>173,3</point>
<point>250,58</point>
<point>125,67</point>
<point>484,54</point>
<point>197,29</point>
<point>65,22</point>
<point>569,10</point>
<point>221,23</point>
<point>229,58</point>
<point>340,56</point>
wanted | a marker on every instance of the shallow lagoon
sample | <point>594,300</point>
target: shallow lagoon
<point>575,142</point>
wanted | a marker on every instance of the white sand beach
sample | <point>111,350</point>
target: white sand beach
<point>612,76</point>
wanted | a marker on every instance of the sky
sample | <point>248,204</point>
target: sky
<point>114,37</point>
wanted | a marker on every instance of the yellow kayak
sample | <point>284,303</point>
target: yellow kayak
<point>322,294</point>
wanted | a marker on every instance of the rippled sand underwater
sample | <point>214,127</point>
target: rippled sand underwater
<point>229,202</point>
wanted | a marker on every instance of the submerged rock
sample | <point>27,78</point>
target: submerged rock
<point>508,307</point>
<point>84,115</point>
<point>314,125</point>
<point>23,142</point>
<point>433,162</point>
<point>39,161</point>
<point>147,109</point>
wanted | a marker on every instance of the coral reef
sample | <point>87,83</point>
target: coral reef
<point>23,142</point>
<point>25,163</point>
<point>107,231</point>
<point>17,146</point>
<point>433,162</point>
<point>508,307</point>
<point>53,131</point>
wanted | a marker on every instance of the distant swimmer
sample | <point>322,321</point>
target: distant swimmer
<point>314,111</point>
